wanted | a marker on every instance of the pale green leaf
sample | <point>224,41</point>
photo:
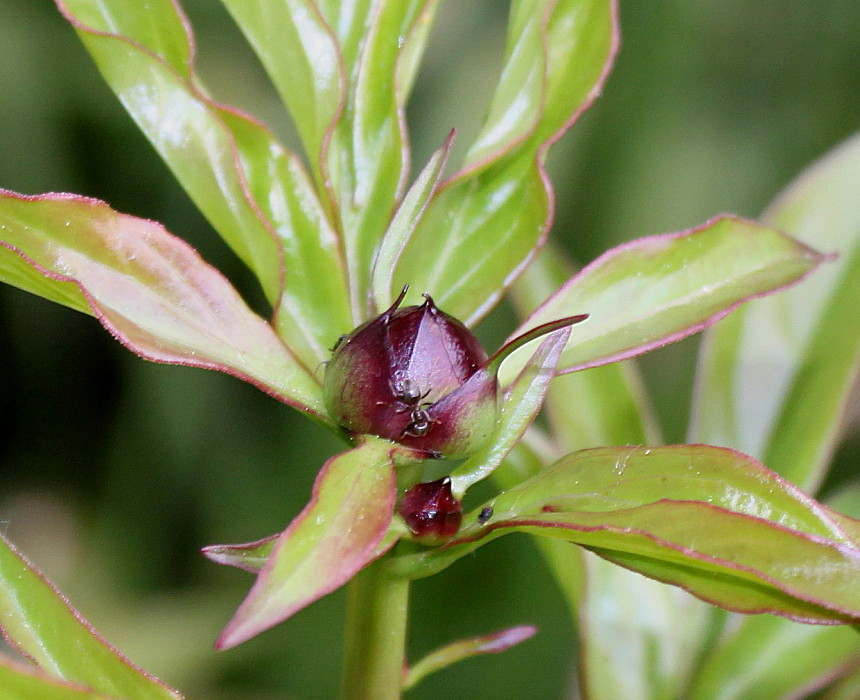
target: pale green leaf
<point>143,52</point>
<point>151,290</point>
<point>485,225</point>
<point>656,290</point>
<point>335,536</point>
<point>39,621</point>
<point>774,379</point>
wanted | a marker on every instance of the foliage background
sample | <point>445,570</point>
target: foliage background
<point>113,471</point>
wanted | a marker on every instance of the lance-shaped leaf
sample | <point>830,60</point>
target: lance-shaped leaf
<point>314,306</point>
<point>145,54</point>
<point>336,535</point>
<point>403,225</point>
<point>301,55</point>
<point>366,158</point>
<point>255,193</point>
<point>151,290</point>
<point>710,520</point>
<point>755,648</point>
<point>493,643</point>
<point>38,620</point>
<point>660,289</point>
<point>774,379</point>
<point>638,638</point>
<point>485,225</point>
<point>521,403</point>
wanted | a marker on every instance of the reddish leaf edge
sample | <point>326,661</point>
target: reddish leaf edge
<point>118,336</point>
<point>815,256</point>
<point>488,531</point>
<point>371,552</point>
<point>462,649</point>
<point>215,107</point>
<point>539,163</point>
<point>80,619</point>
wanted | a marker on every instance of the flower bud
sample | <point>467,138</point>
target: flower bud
<point>417,376</point>
<point>431,512</point>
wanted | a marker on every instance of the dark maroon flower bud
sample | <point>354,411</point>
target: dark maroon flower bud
<point>431,512</point>
<point>416,376</point>
<point>419,377</point>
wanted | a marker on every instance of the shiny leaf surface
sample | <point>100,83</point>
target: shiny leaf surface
<point>366,158</point>
<point>707,519</point>
<point>660,289</point>
<point>302,57</point>
<point>487,222</point>
<point>39,621</point>
<point>148,288</point>
<point>144,53</point>
<point>336,535</point>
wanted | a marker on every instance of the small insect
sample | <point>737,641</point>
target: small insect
<point>485,514</point>
<point>340,341</point>
<point>419,424</point>
<point>408,394</point>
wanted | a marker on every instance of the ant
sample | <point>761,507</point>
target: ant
<point>411,397</point>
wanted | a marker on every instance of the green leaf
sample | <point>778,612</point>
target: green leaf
<point>336,535</point>
<point>755,655</point>
<point>302,57</point>
<point>144,54</point>
<point>520,405</point>
<point>314,307</point>
<point>38,620</point>
<point>403,225</point>
<point>710,520</point>
<point>366,157</point>
<point>485,225</point>
<point>638,637</point>
<point>20,683</point>
<point>657,290</point>
<point>602,406</point>
<point>149,289</point>
<point>774,379</point>
<point>755,650</point>
<point>463,649</point>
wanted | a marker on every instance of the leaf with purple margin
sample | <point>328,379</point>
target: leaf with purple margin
<point>493,643</point>
<point>707,519</point>
<point>153,79</point>
<point>774,379</point>
<point>366,158</point>
<point>520,405</point>
<point>638,638</point>
<point>39,622</point>
<point>660,289</point>
<point>149,289</point>
<point>486,224</point>
<point>314,306</point>
<point>255,192</point>
<point>301,55</point>
<point>336,535</point>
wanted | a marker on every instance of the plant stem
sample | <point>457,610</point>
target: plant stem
<point>376,617</point>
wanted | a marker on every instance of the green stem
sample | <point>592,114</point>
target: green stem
<point>377,607</point>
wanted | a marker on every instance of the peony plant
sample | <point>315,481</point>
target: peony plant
<point>375,284</point>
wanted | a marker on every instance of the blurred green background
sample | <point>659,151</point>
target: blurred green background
<point>114,471</point>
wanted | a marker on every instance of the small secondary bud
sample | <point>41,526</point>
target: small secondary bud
<point>431,512</point>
